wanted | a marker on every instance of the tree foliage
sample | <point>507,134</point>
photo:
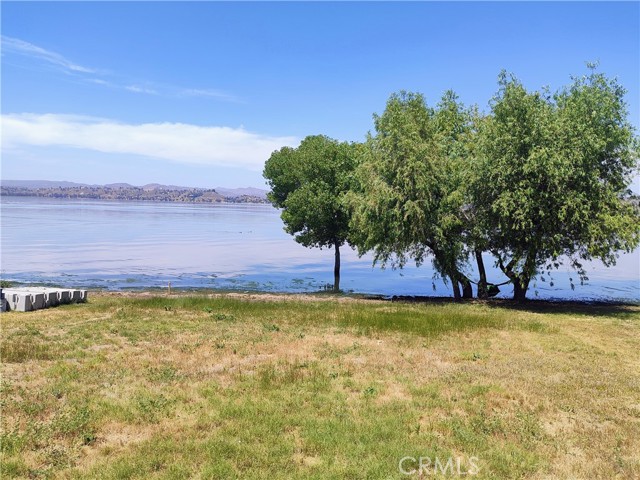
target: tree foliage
<point>539,180</point>
<point>308,183</point>
<point>410,179</point>
<point>552,174</point>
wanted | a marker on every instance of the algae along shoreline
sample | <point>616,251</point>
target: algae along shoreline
<point>230,385</point>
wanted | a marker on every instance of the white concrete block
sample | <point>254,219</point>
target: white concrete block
<point>33,298</point>
<point>37,301</point>
<point>64,296</point>
<point>11,299</point>
<point>51,298</point>
<point>23,302</point>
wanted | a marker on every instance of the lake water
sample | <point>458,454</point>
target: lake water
<point>117,245</point>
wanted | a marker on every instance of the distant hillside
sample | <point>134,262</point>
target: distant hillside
<point>150,187</point>
<point>157,186</point>
<point>239,192</point>
<point>125,191</point>
<point>227,192</point>
<point>115,185</point>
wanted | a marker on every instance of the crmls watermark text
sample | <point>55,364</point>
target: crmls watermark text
<point>454,466</point>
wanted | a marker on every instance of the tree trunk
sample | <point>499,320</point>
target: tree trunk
<point>520,286</point>
<point>467,290</point>
<point>483,291</point>
<point>456,288</point>
<point>521,282</point>
<point>336,268</point>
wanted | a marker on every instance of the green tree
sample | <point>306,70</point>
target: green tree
<point>552,177</point>
<point>308,183</point>
<point>411,190</point>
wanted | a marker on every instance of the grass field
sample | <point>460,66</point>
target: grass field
<point>258,387</point>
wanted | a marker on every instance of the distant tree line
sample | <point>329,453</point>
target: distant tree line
<point>541,179</point>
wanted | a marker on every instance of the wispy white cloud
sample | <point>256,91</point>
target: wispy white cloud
<point>105,78</point>
<point>197,92</point>
<point>98,81</point>
<point>139,89</point>
<point>21,47</point>
<point>177,142</point>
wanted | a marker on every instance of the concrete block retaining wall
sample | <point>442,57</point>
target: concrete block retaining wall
<point>25,299</point>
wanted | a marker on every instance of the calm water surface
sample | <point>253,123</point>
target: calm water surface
<point>115,245</point>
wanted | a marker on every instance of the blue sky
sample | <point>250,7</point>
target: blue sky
<point>201,93</point>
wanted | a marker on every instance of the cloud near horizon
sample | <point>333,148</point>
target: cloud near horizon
<point>176,142</point>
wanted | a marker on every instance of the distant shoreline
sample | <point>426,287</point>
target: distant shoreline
<point>132,194</point>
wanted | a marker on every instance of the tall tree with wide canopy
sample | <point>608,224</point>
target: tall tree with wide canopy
<point>308,183</point>
<point>552,177</point>
<point>410,194</point>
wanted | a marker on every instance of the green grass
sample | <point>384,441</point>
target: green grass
<point>280,387</point>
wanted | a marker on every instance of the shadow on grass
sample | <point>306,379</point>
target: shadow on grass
<point>620,310</point>
<point>623,311</point>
